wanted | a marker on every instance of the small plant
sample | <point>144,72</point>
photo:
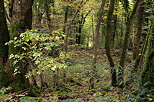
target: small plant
<point>31,99</point>
<point>3,97</point>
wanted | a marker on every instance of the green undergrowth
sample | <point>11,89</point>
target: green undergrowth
<point>45,54</point>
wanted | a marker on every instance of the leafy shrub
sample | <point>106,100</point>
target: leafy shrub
<point>142,95</point>
<point>40,49</point>
<point>3,97</point>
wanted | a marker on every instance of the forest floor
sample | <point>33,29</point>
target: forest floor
<point>77,88</point>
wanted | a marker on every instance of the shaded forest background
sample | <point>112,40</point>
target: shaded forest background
<point>77,50</point>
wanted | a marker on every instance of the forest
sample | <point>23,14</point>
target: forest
<point>76,50</point>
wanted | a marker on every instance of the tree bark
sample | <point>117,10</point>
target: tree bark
<point>137,42</point>
<point>4,37</point>
<point>21,20</point>
<point>147,75</point>
<point>125,44</point>
<point>114,30</point>
<point>65,19</point>
<point>107,43</point>
<point>47,11</point>
<point>96,43</point>
<point>80,26</point>
<point>39,14</point>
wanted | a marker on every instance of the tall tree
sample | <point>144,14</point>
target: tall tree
<point>72,21</point>
<point>107,42</point>
<point>47,11</point>
<point>81,22</point>
<point>125,43</point>
<point>4,37</point>
<point>139,49</point>
<point>21,20</point>
<point>147,76</point>
<point>137,40</point>
<point>96,42</point>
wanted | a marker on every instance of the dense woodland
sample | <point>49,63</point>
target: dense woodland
<point>76,51</point>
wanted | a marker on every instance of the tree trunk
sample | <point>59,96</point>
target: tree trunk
<point>114,29</point>
<point>21,20</point>
<point>4,37</point>
<point>68,27</point>
<point>47,11</point>
<point>139,60</point>
<point>147,75</point>
<point>65,19</point>
<point>80,26</point>
<point>64,31</point>
<point>137,42</point>
<point>125,44</point>
<point>96,43</point>
<point>138,51</point>
<point>107,43</point>
<point>39,14</point>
